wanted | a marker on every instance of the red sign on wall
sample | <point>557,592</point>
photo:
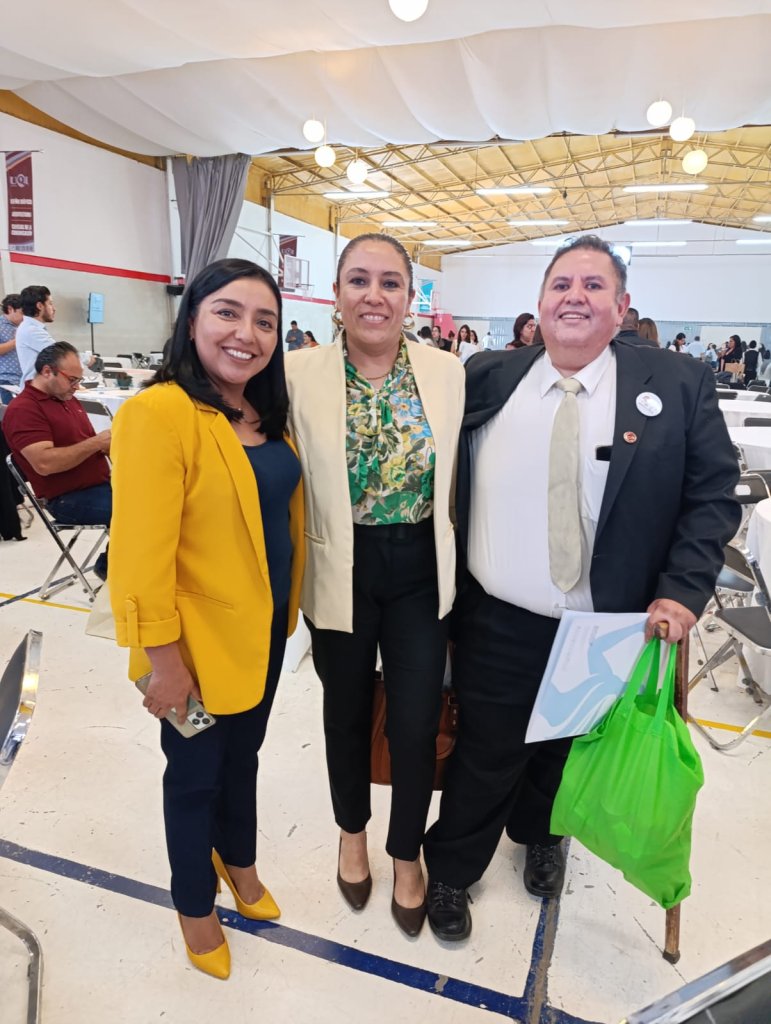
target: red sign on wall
<point>21,225</point>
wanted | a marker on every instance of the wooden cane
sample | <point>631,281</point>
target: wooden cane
<point>672,925</point>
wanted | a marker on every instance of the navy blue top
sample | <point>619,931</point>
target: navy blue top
<point>277,471</point>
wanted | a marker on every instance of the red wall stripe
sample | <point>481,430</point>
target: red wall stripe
<point>306,298</point>
<point>86,268</point>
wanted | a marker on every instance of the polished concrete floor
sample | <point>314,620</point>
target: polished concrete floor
<point>82,861</point>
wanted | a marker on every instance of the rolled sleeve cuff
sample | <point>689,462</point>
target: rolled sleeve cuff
<point>134,633</point>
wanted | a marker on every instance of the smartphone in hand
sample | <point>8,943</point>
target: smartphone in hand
<point>198,718</point>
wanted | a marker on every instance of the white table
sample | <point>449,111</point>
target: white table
<point>113,398</point>
<point>755,442</point>
<point>737,411</point>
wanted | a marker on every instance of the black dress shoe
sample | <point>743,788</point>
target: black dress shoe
<point>355,894</point>
<point>448,912</point>
<point>544,870</point>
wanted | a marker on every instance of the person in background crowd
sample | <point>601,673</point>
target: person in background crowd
<point>424,337</point>
<point>294,337</point>
<point>695,349</point>
<point>468,344</point>
<point>649,331</point>
<point>309,340</point>
<point>710,356</point>
<point>474,337</point>
<point>207,560</point>
<point>381,557</point>
<point>453,342</point>
<point>751,357</point>
<point>57,449</point>
<point>439,342</point>
<point>524,329</point>
<point>731,352</point>
<point>678,345</point>
<point>31,334</point>
<point>10,369</point>
<point>634,532</point>
<point>630,331</point>
<point>488,342</point>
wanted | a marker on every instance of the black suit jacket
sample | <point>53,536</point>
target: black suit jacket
<point>668,508</point>
<point>635,339</point>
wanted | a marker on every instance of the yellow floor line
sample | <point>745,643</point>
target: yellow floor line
<point>49,604</point>
<point>732,728</point>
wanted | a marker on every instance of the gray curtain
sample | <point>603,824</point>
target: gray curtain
<point>210,191</point>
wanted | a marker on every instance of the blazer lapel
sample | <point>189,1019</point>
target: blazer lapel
<point>631,379</point>
<point>493,387</point>
<point>242,475</point>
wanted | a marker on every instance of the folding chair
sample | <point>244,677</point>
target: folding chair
<point>757,387</point>
<point>18,696</point>
<point>739,991</point>
<point>97,412</point>
<point>726,395</point>
<point>765,397</point>
<point>757,421</point>
<point>56,529</point>
<point>748,625</point>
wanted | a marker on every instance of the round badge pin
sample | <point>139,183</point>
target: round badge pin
<point>630,437</point>
<point>649,404</point>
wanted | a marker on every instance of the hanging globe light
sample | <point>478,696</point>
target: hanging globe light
<point>682,128</point>
<point>324,156</point>
<point>408,10</point>
<point>313,130</point>
<point>659,113</point>
<point>694,161</point>
<point>357,172</point>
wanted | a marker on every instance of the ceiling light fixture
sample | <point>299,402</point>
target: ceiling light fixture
<point>548,241</point>
<point>527,223</point>
<point>324,156</point>
<point>313,130</point>
<point>695,161</point>
<point>659,113</point>
<point>763,218</point>
<point>408,223</point>
<point>682,128</point>
<point>695,187</point>
<point>654,222</point>
<point>357,171</point>
<point>656,245</point>
<point>363,194</point>
<point>408,10</point>
<point>448,243</point>
<point>754,241</point>
<point>518,190</point>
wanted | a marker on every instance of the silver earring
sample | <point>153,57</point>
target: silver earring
<point>408,323</point>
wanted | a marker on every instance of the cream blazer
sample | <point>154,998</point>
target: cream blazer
<point>187,550</point>
<point>316,382</point>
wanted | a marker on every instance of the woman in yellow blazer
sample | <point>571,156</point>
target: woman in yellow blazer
<point>206,562</point>
<point>376,420</point>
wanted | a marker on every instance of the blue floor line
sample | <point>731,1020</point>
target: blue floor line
<point>516,1008</point>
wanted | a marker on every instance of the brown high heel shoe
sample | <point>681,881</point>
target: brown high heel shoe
<point>356,894</point>
<point>409,919</point>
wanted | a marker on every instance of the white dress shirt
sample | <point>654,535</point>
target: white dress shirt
<point>508,529</point>
<point>31,338</point>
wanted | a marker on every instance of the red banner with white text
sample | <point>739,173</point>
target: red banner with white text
<point>21,224</point>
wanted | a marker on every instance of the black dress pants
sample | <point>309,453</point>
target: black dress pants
<point>395,606</point>
<point>494,778</point>
<point>210,792</point>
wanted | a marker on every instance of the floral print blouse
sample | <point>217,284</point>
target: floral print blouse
<point>389,447</point>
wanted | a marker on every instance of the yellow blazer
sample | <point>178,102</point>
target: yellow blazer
<point>316,381</point>
<point>187,551</point>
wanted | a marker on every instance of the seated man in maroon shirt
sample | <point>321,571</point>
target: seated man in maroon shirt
<point>53,443</point>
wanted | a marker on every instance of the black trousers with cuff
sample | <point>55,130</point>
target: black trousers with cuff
<point>395,607</point>
<point>210,791</point>
<point>495,779</point>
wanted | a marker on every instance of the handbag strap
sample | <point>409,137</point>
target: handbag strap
<point>666,697</point>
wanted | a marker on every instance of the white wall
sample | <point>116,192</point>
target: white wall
<point>92,207</point>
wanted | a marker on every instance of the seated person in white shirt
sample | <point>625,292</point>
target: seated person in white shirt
<point>31,334</point>
<point>639,493</point>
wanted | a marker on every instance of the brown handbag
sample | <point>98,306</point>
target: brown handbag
<point>380,758</point>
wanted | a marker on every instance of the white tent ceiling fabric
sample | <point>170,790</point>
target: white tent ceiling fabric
<point>241,76</point>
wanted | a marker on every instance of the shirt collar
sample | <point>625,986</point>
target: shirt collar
<point>590,376</point>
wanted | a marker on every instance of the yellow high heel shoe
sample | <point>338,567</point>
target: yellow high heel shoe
<point>216,962</point>
<point>265,909</point>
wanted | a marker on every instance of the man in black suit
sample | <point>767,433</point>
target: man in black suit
<point>630,326</point>
<point>652,511</point>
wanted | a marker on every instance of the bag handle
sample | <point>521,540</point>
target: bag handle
<point>646,671</point>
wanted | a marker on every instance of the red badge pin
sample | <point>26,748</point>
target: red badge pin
<point>630,437</point>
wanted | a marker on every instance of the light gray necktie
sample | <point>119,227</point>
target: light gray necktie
<point>564,487</point>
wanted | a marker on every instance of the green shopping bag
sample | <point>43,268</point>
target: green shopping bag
<point>629,787</point>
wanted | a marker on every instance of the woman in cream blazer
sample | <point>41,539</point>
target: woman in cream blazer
<point>376,421</point>
<point>206,560</point>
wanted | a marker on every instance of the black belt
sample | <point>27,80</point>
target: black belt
<point>398,533</point>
